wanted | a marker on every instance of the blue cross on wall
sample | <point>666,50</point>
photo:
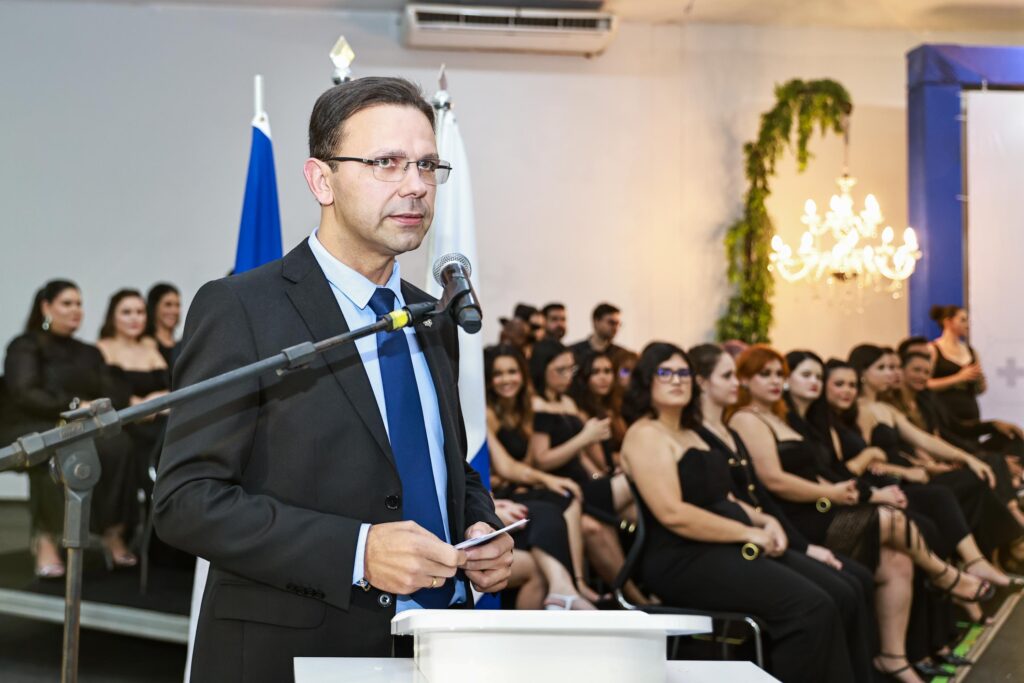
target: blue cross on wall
<point>1010,372</point>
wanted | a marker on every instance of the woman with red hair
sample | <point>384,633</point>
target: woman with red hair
<point>829,511</point>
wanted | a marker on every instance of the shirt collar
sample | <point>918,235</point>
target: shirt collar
<point>354,285</point>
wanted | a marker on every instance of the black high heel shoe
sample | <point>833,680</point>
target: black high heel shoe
<point>953,659</point>
<point>892,674</point>
<point>1016,583</point>
<point>986,591</point>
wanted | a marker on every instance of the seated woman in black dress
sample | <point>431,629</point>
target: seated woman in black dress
<point>706,550</point>
<point>598,394</point>
<point>554,536</point>
<point>971,481</point>
<point>920,406</point>
<point>934,509</point>
<point>139,364</point>
<point>559,438</point>
<point>828,509</point>
<point>47,372</point>
<point>958,380</point>
<point>163,314</point>
<point>850,583</point>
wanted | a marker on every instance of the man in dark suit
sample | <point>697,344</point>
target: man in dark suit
<point>326,499</point>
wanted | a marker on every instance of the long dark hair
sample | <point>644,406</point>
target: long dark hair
<point>587,400</point>
<point>637,403</point>
<point>109,329</point>
<point>544,351</point>
<point>156,294</point>
<point>47,293</point>
<point>822,415</point>
<point>520,414</point>
<point>802,424</point>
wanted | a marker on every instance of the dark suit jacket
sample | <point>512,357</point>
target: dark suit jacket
<point>270,479</point>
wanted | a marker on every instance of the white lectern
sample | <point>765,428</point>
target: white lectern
<point>463,646</point>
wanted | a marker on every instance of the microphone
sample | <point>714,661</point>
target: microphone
<point>452,272</point>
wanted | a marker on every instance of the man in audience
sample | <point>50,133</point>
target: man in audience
<point>606,323</point>
<point>554,321</point>
<point>523,329</point>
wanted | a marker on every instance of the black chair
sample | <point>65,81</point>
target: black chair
<point>725,618</point>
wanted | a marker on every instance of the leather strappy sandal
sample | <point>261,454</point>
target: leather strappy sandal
<point>893,674</point>
<point>986,591</point>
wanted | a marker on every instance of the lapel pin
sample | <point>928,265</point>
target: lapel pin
<point>428,323</point>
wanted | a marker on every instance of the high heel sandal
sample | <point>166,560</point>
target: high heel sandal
<point>893,674</point>
<point>52,570</point>
<point>953,659</point>
<point>986,591</point>
<point>1015,582</point>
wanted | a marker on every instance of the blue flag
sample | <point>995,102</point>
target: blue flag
<point>259,235</point>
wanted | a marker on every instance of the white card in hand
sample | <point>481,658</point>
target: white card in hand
<point>480,540</point>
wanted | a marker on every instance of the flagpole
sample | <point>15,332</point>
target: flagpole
<point>257,91</point>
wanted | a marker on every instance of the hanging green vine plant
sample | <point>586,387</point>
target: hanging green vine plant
<point>748,241</point>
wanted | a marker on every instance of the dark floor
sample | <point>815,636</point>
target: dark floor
<point>30,651</point>
<point>1004,658</point>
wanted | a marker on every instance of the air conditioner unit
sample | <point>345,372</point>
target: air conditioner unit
<point>507,29</point>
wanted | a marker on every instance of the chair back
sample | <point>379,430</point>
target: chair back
<point>633,556</point>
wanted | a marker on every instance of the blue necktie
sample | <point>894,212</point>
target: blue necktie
<point>408,436</point>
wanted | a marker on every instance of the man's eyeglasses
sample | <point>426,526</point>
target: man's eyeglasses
<point>392,169</point>
<point>665,375</point>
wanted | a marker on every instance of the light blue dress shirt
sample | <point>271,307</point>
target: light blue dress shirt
<point>353,291</point>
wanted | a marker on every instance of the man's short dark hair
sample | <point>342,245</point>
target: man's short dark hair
<point>341,102</point>
<point>601,310</point>
<point>553,306</point>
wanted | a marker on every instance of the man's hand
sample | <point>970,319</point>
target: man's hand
<point>488,566</point>
<point>402,557</point>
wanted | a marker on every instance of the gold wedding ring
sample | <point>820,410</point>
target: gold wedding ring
<point>823,504</point>
<point>433,582</point>
<point>749,551</point>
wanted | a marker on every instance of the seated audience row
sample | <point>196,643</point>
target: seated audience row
<point>47,371</point>
<point>848,504</point>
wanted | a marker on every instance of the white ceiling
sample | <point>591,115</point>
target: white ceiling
<point>1005,15</point>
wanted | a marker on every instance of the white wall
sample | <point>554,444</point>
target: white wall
<point>124,134</point>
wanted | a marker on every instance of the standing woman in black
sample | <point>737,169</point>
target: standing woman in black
<point>706,550</point>
<point>48,372</point>
<point>163,314</point>
<point>958,379</point>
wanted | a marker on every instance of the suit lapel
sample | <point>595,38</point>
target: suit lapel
<point>313,299</point>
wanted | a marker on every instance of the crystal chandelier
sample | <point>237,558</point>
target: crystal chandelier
<point>843,246</point>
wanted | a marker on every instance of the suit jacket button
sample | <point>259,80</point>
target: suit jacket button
<point>384,600</point>
<point>392,502</point>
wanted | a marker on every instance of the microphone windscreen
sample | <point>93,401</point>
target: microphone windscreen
<point>442,261</point>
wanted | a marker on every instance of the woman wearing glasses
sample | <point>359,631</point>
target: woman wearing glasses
<point>559,441</point>
<point>707,550</point>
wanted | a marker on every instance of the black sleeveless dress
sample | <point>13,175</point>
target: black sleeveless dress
<point>148,436</point>
<point>547,529</point>
<point>803,623</point>
<point>980,510</point>
<point>597,493</point>
<point>961,399</point>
